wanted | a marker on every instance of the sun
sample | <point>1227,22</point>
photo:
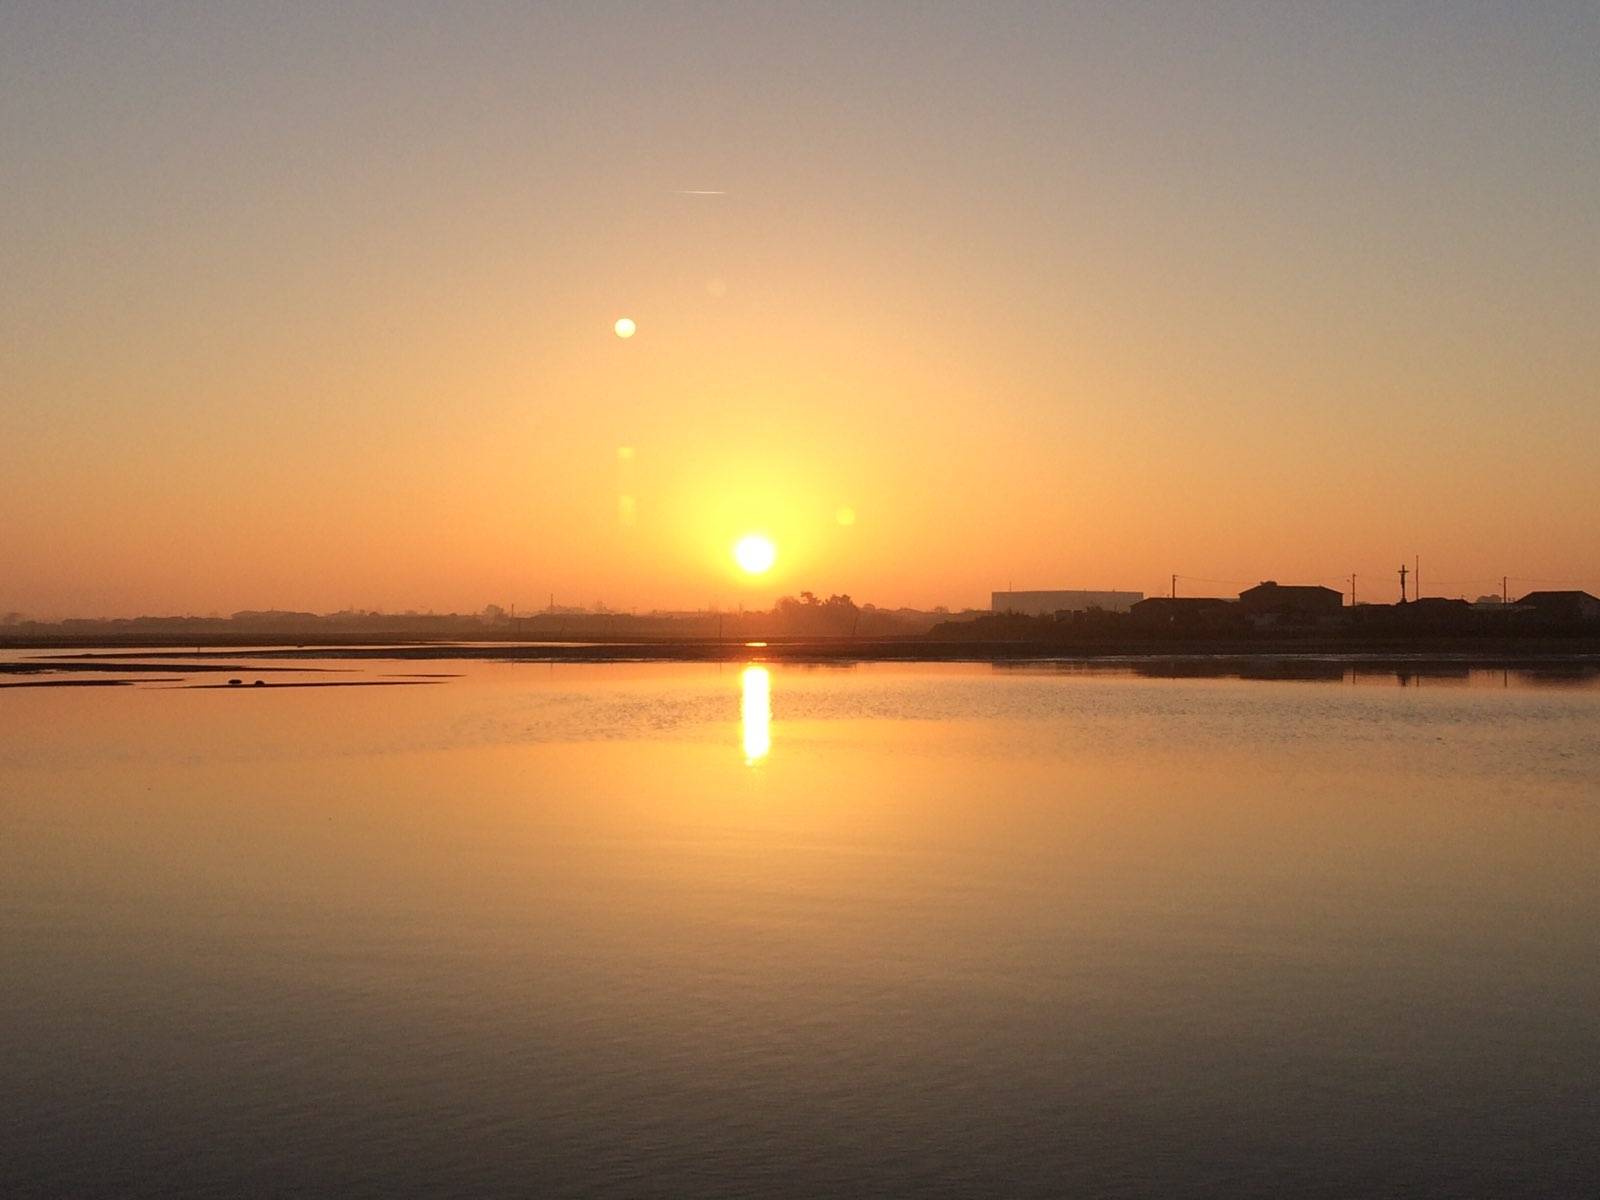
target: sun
<point>755,554</point>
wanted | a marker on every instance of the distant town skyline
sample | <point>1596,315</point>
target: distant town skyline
<point>1025,602</point>
<point>1375,586</point>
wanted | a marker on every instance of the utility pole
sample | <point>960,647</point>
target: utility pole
<point>1416,579</point>
<point>1504,597</point>
<point>1403,574</point>
<point>1352,589</point>
<point>1174,587</point>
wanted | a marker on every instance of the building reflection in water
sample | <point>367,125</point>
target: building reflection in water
<point>755,712</point>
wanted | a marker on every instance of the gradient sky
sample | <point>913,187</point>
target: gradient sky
<point>311,306</point>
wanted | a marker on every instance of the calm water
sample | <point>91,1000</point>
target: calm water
<point>673,931</point>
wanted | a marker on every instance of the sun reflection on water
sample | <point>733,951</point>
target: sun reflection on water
<point>755,712</point>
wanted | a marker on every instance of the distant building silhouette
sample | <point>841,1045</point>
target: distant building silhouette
<point>1562,606</point>
<point>1271,598</point>
<point>1043,604</point>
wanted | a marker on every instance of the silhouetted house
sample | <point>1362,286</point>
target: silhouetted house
<point>1561,606</point>
<point>1273,599</point>
<point>1195,613</point>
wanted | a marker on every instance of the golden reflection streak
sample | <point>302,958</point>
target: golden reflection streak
<point>755,713</point>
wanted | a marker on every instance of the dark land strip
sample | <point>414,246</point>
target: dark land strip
<point>315,683</point>
<point>117,662</point>
<point>1520,652</point>
<point>82,683</point>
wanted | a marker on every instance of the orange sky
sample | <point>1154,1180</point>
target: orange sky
<point>308,310</point>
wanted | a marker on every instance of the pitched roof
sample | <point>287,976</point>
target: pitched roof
<point>1272,585</point>
<point>1536,597</point>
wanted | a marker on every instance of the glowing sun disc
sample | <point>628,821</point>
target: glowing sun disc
<point>625,327</point>
<point>755,554</point>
